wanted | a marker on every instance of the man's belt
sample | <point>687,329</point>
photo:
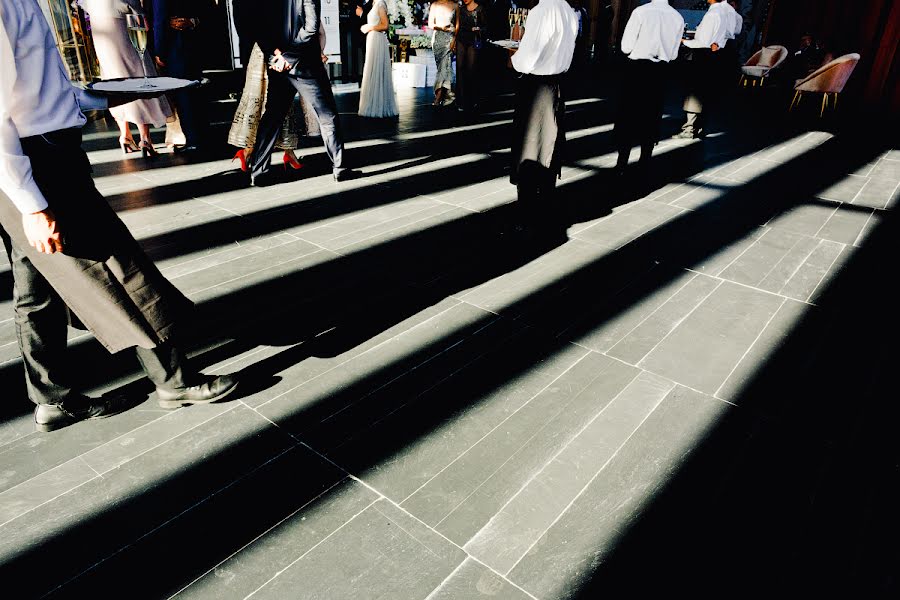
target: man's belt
<point>184,23</point>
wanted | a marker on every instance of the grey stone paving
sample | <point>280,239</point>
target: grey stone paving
<point>678,390</point>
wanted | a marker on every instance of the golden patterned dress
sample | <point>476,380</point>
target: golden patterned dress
<point>299,122</point>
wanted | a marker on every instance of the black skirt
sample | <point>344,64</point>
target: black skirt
<point>539,132</point>
<point>641,102</point>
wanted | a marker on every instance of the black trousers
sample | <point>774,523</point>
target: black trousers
<point>181,58</point>
<point>315,88</point>
<point>41,320</point>
<point>468,89</point>
<point>640,108</point>
<point>702,77</point>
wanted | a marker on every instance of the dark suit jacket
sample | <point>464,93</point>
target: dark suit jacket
<point>162,37</point>
<point>292,26</point>
<point>246,23</point>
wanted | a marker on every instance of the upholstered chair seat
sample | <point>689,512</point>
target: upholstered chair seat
<point>828,80</point>
<point>758,67</point>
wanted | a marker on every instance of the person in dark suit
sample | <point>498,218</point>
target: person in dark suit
<point>352,41</point>
<point>288,33</point>
<point>176,50</point>
<point>245,23</point>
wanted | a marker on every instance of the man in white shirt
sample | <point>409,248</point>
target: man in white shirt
<point>730,58</point>
<point>545,52</point>
<point>651,40</point>
<point>738,25</point>
<point>710,38</point>
<point>70,255</point>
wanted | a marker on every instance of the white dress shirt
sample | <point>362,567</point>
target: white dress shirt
<point>653,32</point>
<point>736,24</point>
<point>549,41</point>
<point>36,97</point>
<point>713,29</point>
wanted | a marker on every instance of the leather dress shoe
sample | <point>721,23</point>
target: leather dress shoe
<point>346,174</point>
<point>211,390</point>
<point>50,417</point>
<point>185,149</point>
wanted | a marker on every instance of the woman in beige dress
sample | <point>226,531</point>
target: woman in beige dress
<point>118,58</point>
<point>299,122</point>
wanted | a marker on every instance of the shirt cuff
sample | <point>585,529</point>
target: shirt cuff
<point>27,199</point>
<point>88,100</point>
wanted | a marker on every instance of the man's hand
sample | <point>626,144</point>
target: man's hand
<point>714,47</point>
<point>278,63</point>
<point>359,11</point>
<point>324,59</point>
<point>42,231</point>
<point>159,62</point>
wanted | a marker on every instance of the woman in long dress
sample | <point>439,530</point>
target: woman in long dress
<point>468,49</point>
<point>118,58</point>
<point>443,20</point>
<point>376,94</point>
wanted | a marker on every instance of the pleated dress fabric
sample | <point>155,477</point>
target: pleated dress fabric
<point>376,94</point>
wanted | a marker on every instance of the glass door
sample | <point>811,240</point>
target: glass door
<point>72,33</point>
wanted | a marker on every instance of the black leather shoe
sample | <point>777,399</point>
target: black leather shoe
<point>50,417</point>
<point>346,174</point>
<point>211,390</point>
<point>186,149</point>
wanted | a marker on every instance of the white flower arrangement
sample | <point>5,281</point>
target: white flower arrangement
<point>399,12</point>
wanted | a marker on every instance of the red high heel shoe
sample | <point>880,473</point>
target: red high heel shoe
<point>242,156</point>
<point>290,159</point>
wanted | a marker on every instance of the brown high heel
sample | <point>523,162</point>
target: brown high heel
<point>128,146</point>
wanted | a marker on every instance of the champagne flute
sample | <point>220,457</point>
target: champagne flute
<point>137,33</point>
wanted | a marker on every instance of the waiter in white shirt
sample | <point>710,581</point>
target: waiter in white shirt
<point>651,40</point>
<point>544,54</point>
<point>709,40</point>
<point>69,253</point>
<point>738,19</point>
<point>735,26</point>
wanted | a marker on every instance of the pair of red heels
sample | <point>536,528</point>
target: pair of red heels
<point>288,159</point>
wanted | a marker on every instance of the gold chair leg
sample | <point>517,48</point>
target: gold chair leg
<point>796,101</point>
<point>762,81</point>
<point>834,102</point>
<point>824,105</point>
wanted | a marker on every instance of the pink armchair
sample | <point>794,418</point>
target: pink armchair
<point>828,80</point>
<point>759,65</point>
